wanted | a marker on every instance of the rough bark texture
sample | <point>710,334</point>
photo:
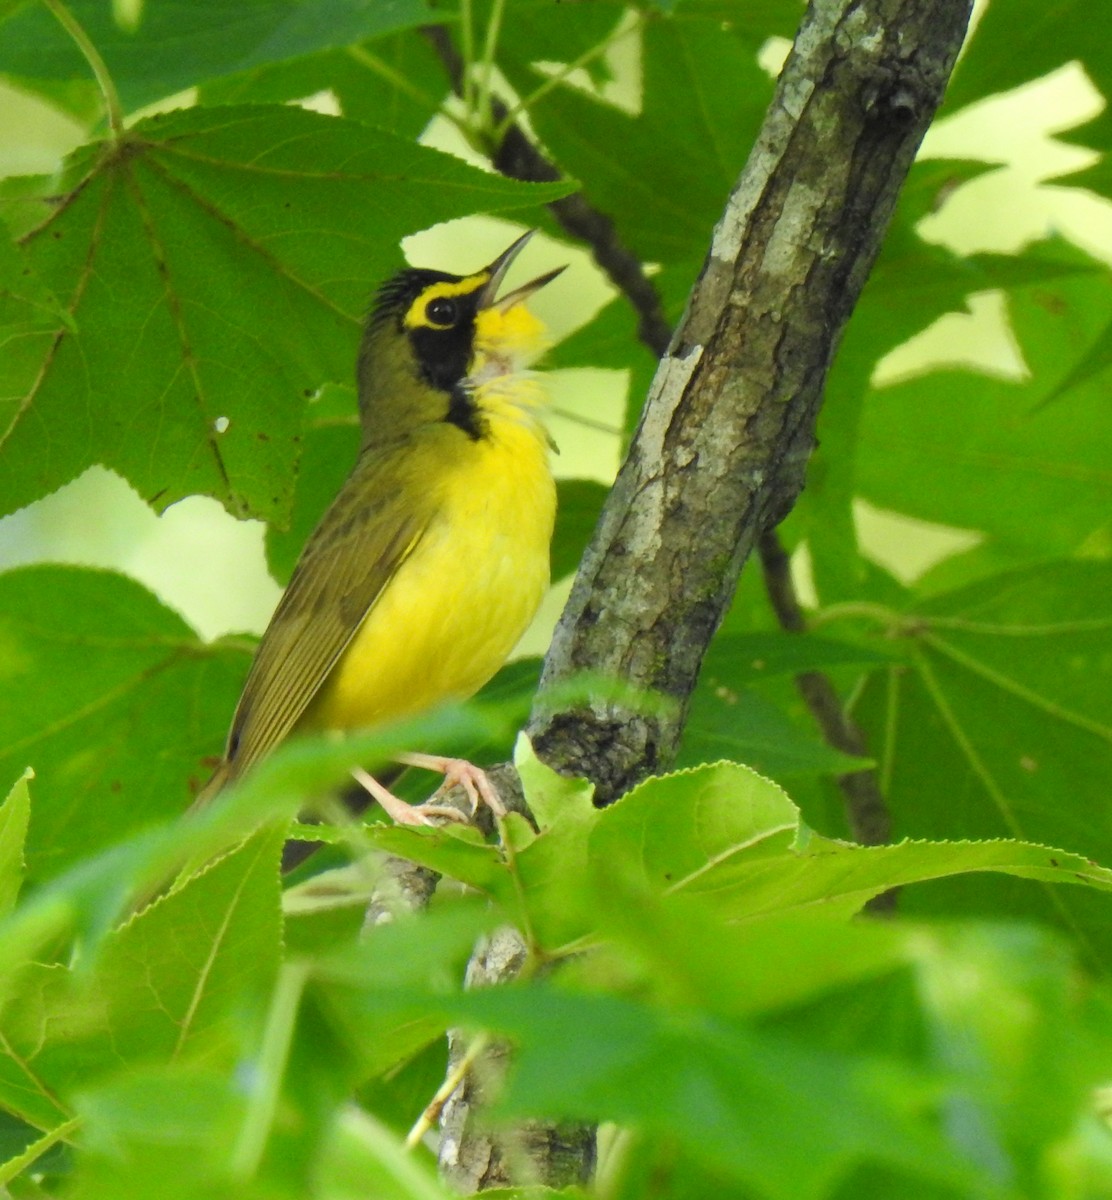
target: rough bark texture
<point>724,439</point>
<point>475,1157</point>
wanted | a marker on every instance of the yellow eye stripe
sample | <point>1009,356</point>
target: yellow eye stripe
<point>415,318</point>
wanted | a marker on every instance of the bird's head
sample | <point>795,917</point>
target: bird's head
<point>435,342</point>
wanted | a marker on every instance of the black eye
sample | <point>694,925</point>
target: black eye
<point>442,312</point>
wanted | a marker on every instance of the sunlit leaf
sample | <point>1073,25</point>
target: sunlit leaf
<point>1020,40</point>
<point>703,98</point>
<point>217,264</point>
<point>178,42</point>
<point>1022,460</point>
<point>15,813</point>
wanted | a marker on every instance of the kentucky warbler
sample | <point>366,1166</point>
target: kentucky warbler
<point>434,556</point>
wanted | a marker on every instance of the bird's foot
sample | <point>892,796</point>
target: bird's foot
<point>459,772</point>
<point>456,771</point>
<point>398,810</point>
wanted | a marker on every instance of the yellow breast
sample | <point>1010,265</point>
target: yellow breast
<point>457,606</point>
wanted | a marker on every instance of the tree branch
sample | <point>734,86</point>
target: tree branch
<point>722,447</point>
<point>518,158</point>
<point>869,819</point>
<point>723,443</point>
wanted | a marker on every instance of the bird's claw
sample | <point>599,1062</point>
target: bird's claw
<point>457,772</point>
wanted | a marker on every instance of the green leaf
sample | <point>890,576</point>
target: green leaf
<point>1020,40</point>
<point>1024,1043</point>
<point>719,831</point>
<point>395,82</point>
<point>683,951</point>
<point>30,320</point>
<point>913,284</point>
<point>552,797</point>
<point>1095,135</point>
<point>540,31</point>
<point>361,1148</point>
<point>290,218</point>
<point>734,714</point>
<point>729,721</point>
<point>725,832</point>
<point>550,867</point>
<point>15,813</point>
<point>1024,461</point>
<point>717,1087</point>
<point>170,983</point>
<point>173,977</point>
<point>1093,363</point>
<point>24,296</point>
<point>329,455</point>
<point>114,742</point>
<point>8,7</point>
<point>1003,727</point>
<point>678,824</point>
<point>379,995</point>
<point>703,99</point>
<point>457,853</point>
<point>34,995</point>
<point>746,658</point>
<point>23,1147</point>
<point>178,43</point>
<point>165,1131</point>
<point>579,502</point>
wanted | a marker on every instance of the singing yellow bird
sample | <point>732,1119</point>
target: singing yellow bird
<point>434,556</point>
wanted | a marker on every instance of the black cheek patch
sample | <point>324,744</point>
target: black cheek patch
<point>463,413</point>
<point>442,354</point>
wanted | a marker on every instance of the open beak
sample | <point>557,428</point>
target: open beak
<point>498,269</point>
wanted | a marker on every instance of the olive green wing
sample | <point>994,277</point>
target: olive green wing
<point>371,528</point>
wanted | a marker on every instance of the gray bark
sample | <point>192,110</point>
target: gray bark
<point>721,451</point>
<point>724,439</point>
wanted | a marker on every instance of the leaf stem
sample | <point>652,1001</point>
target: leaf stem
<point>112,108</point>
<point>270,1066</point>
<point>892,621</point>
<point>586,422</point>
<point>467,49</point>
<point>482,104</point>
<point>431,1112</point>
<point>891,727</point>
<point>623,29</point>
<point>1047,629</point>
<point>392,76</point>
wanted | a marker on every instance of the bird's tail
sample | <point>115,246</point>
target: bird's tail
<point>218,781</point>
<point>355,797</point>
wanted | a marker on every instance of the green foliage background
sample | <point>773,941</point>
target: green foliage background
<point>182,303</point>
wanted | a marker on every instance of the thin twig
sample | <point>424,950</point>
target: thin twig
<point>431,1112</point>
<point>869,819</point>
